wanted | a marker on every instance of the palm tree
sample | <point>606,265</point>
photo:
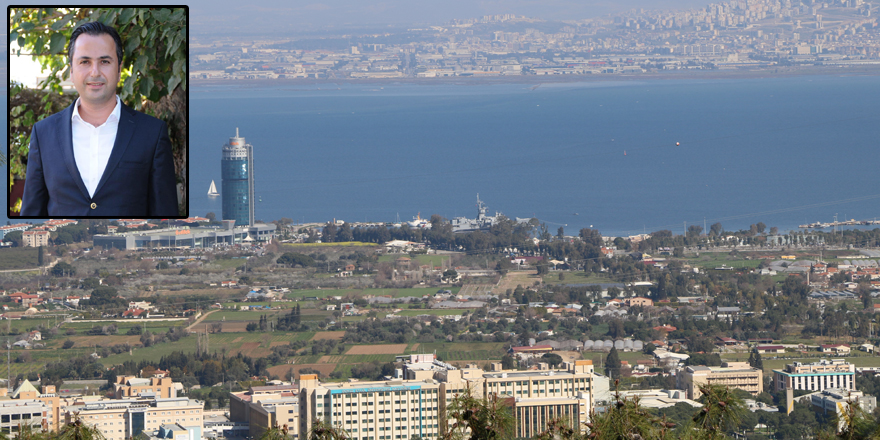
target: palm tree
<point>77,430</point>
<point>472,418</point>
<point>625,419</point>
<point>721,413</point>
<point>324,431</point>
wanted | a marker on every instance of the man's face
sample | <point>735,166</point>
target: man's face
<point>95,69</point>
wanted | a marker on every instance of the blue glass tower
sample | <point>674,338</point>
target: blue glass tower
<point>237,170</point>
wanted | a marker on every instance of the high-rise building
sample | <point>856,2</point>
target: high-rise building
<point>237,170</point>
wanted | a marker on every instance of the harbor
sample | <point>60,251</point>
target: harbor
<point>834,224</point>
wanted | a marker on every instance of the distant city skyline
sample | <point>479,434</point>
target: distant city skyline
<point>276,16</point>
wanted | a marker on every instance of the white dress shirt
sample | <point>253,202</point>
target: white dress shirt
<point>92,145</point>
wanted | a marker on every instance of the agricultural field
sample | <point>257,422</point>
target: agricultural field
<point>249,344</point>
<point>17,326</point>
<point>417,292</point>
<point>420,259</point>
<point>711,260</point>
<point>376,349</point>
<point>20,258</point>
<point>436,312</point>
<point>239,316</point>
<point>154,327</point>
<point>224,264</point>
<point>464,351</point>
<point>301,247</point>
<point>575,277</point>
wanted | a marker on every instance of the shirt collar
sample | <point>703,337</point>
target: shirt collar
<point>114,115</point>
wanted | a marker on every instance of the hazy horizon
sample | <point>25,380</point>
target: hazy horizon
<point>273,16</point>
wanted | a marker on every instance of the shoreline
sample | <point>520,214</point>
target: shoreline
<point>559,79</point>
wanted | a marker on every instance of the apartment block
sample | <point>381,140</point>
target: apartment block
<point>35,238</point>
<point>394,409</point>
<point>119,419</point>
<point>732,374</point>
<point>413,402</point>
<point>27,394</point>
<point>17,413</point>
<point>817,376</point>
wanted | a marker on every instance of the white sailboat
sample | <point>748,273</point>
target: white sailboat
<point>212,191</point>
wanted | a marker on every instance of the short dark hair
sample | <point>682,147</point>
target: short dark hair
<point>95,28</point>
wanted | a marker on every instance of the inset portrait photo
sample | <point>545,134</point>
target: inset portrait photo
<point>98,112</point>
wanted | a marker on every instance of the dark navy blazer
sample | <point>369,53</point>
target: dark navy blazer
<point>138,181</point>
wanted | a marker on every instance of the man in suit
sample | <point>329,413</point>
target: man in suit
<point>99,157</point>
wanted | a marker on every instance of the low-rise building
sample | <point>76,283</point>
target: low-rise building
<point>263,407</point>
<point>770,349</point>
<point>732,374</point>
<point>835,402</point>
<point>639,302</point>
<point>131,386</point>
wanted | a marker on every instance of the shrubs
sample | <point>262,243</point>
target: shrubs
<point>67,344</point>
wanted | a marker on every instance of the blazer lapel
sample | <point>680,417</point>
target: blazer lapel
<point>65,136</point>
<point>123,136</point>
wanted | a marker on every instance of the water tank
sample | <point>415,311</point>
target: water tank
<point>638,345</point>
<point>618,344</point>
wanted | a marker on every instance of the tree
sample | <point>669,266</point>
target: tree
<point>153,67</point>
<point>485,419</point>
<point>40,255</point>
<point>625,419</point>
<point>147,339</point>
<point>63,269</point>
<point>14,237</point>
<point>507,362</point>
<point>612,364</point>
<point>324,431</point>
<point>552,359</point>
<point>67,344</point>
<point>211,217</point>
<point>716,229</point>
<point>863,291</point>
<point>450,275</point>
<point>77,430</point>
<point>162,265</point>
<point>293,259</point>
<point>721,412</point>
<point>251,327</point>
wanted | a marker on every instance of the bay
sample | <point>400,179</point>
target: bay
<point>622,156</point>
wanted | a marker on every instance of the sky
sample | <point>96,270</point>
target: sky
<point>309,14</point>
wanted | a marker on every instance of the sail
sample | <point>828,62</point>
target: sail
<point>212,191</point>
